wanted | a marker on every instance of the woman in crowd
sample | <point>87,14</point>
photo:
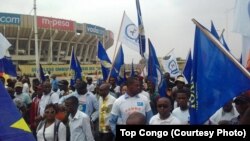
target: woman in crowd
<point>51,129</point>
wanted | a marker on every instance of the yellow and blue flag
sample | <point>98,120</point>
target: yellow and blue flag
<point>8,66</point>
<point>105,61</point>
<point>12,125</point>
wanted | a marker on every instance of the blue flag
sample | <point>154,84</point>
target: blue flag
<point>216,79</point>
<point>214,32</point>
<point>141,36</point>
<point>105,61</point>
<point>187,71</point>
<point>132,73</point>
<point>154,72</point>
<point>12,125</point>
<point>42,76</point>
<point>163,88</point>
<point>76,67</point>
<point>7,66</point>
<point>124,79</point>
<point>119,61</point>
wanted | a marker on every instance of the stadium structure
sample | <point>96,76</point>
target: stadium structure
<point>56,37</point>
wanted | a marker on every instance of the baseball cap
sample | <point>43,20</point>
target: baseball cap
<point>19,84</point>
<point>180,79</point>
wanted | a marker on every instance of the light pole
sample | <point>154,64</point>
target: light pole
<point>36,43</point>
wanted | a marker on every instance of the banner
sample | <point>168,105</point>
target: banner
<point>170,64</point>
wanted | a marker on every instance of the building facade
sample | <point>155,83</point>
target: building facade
<point>56,38</point>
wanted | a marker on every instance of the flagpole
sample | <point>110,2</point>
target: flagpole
<point>189,52</point>
<point>223,30</point>
<point>170,52</point>
<point>70,60</point>
<point>132,67</point>
<point>114,55</point>
<point>140,26</point>
<point>50,60</point>
<point>36,43</point>
<point>220,46</point>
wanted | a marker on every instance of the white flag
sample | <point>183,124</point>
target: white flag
<point>242,26</point>
<point>170,64</point>
<point>129,33</point>
<point>242,17</point>
<point>246,52</point>
<point>4,45</point>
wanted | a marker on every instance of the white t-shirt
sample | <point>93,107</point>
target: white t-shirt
<point>26,88</point>
<point>183,116</point>
<point>171,120</point>
<point>90,87</point>
<point>24,97</point>
<point>125,105</point>
<point>221,115</point>
<point>52,97</point>
<point>146,94</point>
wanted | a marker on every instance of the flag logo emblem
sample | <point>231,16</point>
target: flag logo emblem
<point>173,67</point>
<point>106,64</point>
<point>132,32</point>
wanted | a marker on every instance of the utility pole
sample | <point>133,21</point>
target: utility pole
<point>36,43</point>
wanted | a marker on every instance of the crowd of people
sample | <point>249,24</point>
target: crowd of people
<point>54,110</point>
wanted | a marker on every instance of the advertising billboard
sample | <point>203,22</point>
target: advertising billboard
<point>46,22</point>
<point>6,18</point>
<point>95,29</point>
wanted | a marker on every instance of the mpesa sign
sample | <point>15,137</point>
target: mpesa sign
<point>45,22</point>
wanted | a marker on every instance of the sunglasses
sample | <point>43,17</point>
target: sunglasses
<point>50,112</point>
<point>162,106</point>
<point>239,102</point>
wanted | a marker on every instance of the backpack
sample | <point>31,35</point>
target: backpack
<point>56,127</point>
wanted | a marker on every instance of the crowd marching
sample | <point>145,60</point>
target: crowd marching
<point>87,112</point>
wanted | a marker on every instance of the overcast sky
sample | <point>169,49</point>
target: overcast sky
<point>167,22</point>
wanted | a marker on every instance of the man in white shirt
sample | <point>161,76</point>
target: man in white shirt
<point>48,97</point>
<point>90,85</point>
<point>227,112</point>
<point>113,87</point>
<point>129,103</point>
<point>26,88</point>
<point>79,122</point>
<point>182,112</point>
